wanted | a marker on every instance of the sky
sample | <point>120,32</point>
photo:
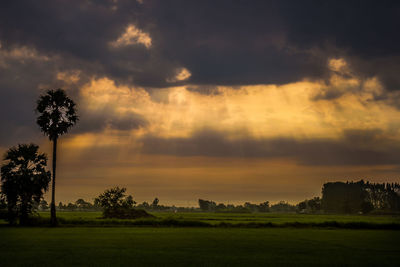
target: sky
<point>231,101</point>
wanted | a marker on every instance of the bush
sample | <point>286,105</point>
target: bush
<point>126,213</point>
<point>116,204</point>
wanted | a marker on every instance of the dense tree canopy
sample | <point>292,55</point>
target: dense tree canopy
<point>57,113</point>
<point>24,180</point>
<point>353,197</point>
<point>116,204</point>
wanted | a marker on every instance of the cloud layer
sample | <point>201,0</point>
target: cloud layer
<point>313,83</point>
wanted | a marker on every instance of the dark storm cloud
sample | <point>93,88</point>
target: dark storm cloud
<point>19,80</point>
<point>365,32</point>
<point>241,42</point>
<point>81,31</point>
<point>356,147</point>
<point>220,42</point>
<point>230,42</point>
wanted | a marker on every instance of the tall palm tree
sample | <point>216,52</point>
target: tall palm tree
<point>57,114</point>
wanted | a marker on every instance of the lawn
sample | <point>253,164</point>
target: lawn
<point>175,246</point>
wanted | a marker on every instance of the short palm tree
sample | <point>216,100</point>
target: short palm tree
<point>57,114</point>
<point>24,180</point>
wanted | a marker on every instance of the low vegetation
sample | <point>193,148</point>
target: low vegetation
<point>177,246</point>
<point>116,204</point>
<point>225,220</point>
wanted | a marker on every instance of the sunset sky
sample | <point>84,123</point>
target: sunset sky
<point>232,101</point>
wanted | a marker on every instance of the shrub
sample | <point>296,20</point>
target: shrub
<point>116,204</point>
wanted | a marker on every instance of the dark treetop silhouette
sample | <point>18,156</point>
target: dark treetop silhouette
<point>57,115</point>
<point>24,180</point>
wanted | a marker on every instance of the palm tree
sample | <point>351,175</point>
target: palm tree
<point>24,180</point>
<point>57,114</point>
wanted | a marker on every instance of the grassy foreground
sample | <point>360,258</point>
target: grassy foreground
<point>138,246</point>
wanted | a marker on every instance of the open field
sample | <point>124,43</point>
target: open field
<point>302,240</point>
<point>236,219</point>
<point>110,246</point>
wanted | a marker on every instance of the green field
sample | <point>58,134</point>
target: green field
<point>110,246</point>
<point>233,219</point>
<point>87,244</point>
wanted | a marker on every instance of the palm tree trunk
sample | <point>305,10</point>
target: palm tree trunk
<point>53,186</point>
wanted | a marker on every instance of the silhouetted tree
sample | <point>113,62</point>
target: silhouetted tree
<point>264,207</point>
<point>71,207</point>
<point>220,207</point>
<point>61,206</point>
<point>302,206</point>
<point>116,204</point>
<point>144,205</point>
<point>43,205</point>
<point>57,115</point>
<point>283,206</point>
<point>155,203</point>
<point>251,207</point>
<point>310,206</point>
<point>83,205</point>
<point>24,180</point>
<point>315,204</point>
<point>383,197</point>
<point>206,205</point>
<point>349,197</point>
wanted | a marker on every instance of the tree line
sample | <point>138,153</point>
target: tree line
<point>360,197</point>
<point>337,197</point>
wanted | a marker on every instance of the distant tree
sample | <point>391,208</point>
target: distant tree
<point>310,206</point>
<point>315,204</point>
<point>71,207</point>
<point>206,205</point>
<point>302,206</point>
<point>57,114</point>
<point>144,205</point>
<point>220,207</point>
<point>82,204</point>
<point>116,204</point>
<point>24,180</point>
<point>43,205</point>
<point>61,206</point>
<point>283,206</point>
<point>339,197</point>
<point>251,207</point>
<point>155,203</point>
<point>264,207</point>
<point>383,197</point>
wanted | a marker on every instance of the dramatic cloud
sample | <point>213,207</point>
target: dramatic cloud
<point>132,36</point>
<point>309,84</point>
<point>224,42</point>
<point>353,148</point>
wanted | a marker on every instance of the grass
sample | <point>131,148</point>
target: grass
<point>138,246</point>
<point>234,220</point>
